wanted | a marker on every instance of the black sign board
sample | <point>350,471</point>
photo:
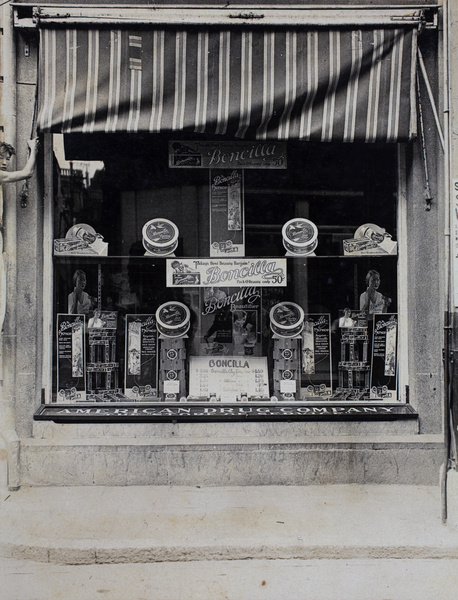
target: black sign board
<point>208,411</point>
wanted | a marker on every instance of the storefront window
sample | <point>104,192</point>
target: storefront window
<point>201,269</point>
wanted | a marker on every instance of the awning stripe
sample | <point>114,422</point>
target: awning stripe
<point>92,82</point>
<point>291,84</point>
<point>50,78</point>
<point>324,85</point>
<point>395,88</point>
<point>158,81</point>
<point>223,81</point>
<point>351,104</point>
<point>70,77</point>
<point>246,52</point>
<point>311,86</point>
<point>114,82</point>
<point>136,68</point>
<point>268,87</point>
<point>374,87</point>
<point>330,98</point>
<point>202,82</point>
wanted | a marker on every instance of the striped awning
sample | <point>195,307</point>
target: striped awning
<point>328,84</point>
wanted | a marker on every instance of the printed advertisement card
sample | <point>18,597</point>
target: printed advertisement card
<point>141,357</point>
<point>384,357</point>
<point>71,358</point>
<point>227,214</point>
<point>316,370</point>
<point>230,322</point>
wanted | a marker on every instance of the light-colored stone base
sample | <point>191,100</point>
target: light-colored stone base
<point>319,460</point>
<point>224,454</point>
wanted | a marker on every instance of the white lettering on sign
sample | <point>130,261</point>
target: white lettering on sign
<point>228,158</point>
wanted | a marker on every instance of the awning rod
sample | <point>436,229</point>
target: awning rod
<point>293,16</point>
<point>431,99</point>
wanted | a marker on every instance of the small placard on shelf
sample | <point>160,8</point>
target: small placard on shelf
<point>81,240</point>
<point>229,377</point>
<point>370,240</point>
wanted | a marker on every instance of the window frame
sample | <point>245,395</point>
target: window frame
<point>402,289</point>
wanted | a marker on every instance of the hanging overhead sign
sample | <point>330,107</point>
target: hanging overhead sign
<point>227,155</point>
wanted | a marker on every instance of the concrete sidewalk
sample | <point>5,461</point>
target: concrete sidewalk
<point>96,525</point>
<point>356,579</point>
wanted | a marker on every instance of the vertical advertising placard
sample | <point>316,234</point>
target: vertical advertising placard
<point>455,240</point>
<point>384,357</point>
<point>141,357</point>
<point>316,366</point>
<point>227,215</point>
<point>71,358</point>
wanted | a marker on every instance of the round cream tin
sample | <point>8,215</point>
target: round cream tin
<point>286,319</point>
<point>173,319</point>
<point>300,236</point>
<point>160,237</point>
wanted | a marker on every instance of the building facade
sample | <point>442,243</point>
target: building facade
<point>235,262</point>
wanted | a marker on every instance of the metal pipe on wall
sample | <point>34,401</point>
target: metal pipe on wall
<point>8,122</point>
<point>8,118</point>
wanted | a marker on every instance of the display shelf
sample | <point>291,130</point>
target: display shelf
<point>161,260</point>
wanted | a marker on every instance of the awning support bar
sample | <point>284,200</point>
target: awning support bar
<point>428,196</point>
<point>431,99</point>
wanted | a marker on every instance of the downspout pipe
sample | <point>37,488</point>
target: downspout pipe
<point>448,317</point>
<point>8,120</point>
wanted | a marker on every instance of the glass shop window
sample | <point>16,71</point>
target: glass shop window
<point>197,269</point>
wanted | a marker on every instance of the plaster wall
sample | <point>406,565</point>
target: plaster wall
<point>426,294</point>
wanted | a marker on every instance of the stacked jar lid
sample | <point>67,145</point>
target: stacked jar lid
<point>173,319</point>
<point>300,236</point>
<point>286,319</point>
<point>160,237</point>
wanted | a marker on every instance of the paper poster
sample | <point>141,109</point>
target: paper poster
<point>141,357</point>
<point>227,215</point>
<point>230,322</point>
<point>316,367</point>
<point>71,359</point>
<point>195,272</point>
<point>228,378</point>
<point>384,357</point>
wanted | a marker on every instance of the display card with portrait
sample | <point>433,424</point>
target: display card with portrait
<point>384,356</point>
<point>227,227</point>
<point>71,358</point>
<point>230,321</point>
<point>316,367</point>
<point>141,357</point>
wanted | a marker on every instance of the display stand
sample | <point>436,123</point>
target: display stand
<point>354,369</point>
<point>102,369</point>
<point>287,363</point>
<point>172,370</point>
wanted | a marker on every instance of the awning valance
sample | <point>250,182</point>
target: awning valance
<point>270,83</point>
